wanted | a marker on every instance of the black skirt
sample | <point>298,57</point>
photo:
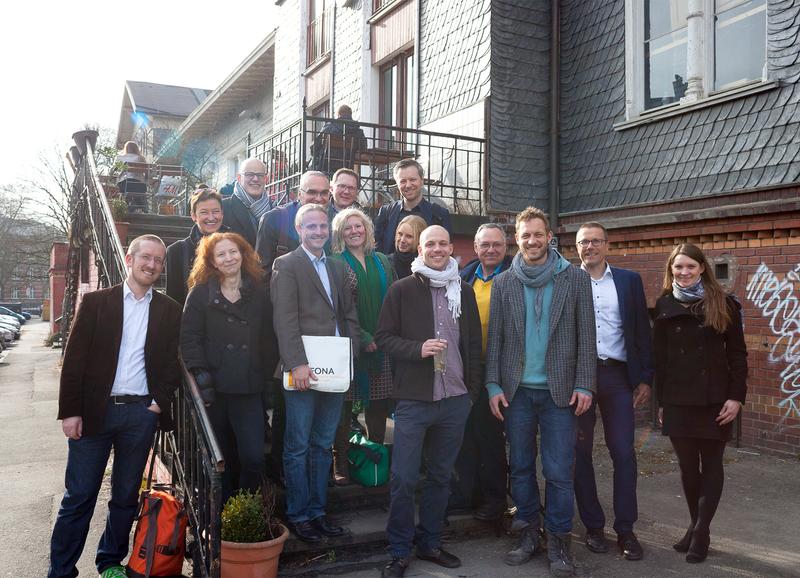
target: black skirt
<point>695,421</point>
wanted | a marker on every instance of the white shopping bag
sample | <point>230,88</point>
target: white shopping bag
<point>331,361</point>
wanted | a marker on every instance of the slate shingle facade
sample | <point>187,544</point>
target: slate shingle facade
<point>745,143</point>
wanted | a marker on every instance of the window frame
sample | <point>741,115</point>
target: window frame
<point>634,65</point>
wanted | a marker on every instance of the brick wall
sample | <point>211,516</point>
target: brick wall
<point>763,252</point>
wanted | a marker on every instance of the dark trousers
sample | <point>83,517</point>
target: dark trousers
<point>615,399</point>
<point>481,471</point>
<point>433,431</point>
<point>278,430</point>
<point>128,429</point>
<point>238,422</point>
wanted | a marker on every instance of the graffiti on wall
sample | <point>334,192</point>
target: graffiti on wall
<point>779,302</point>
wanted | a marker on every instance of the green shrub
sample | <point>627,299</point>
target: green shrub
<point>244,518</point>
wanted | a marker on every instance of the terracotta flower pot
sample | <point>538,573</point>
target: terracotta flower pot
<point>122,231</point>
<point>82,136</point>
<point>256,560</point>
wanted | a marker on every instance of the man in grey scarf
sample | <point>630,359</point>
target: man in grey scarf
<point>249,201</point>
<point>540,374</point>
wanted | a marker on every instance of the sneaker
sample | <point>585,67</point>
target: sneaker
<point>559,554</point>
<point>114,572</point>
<point>528,545</point>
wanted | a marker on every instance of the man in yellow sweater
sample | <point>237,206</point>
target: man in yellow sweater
<point>479,484</point>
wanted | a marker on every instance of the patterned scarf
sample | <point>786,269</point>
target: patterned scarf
<point>536,276</point>
<point>691,294</point>
<point>448,278</point>
<point>257,207</point>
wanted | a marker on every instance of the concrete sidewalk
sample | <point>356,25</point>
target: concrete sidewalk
<point>33,458</point>
<point>755,532</point>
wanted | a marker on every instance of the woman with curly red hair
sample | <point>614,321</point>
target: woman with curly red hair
<point>228,343</point>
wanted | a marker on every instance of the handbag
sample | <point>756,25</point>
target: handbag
<point>330,359</point>
<point>368,460</point>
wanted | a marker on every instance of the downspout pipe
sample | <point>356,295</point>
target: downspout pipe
<point>555,97</point>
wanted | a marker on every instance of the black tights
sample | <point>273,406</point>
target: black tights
<point>702,476</point>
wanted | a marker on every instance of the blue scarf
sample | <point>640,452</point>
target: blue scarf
<point>691,294</point>
<point>536,276</point>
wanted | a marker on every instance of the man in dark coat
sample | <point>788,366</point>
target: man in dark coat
<point>409,175</point>
<point>206,212</point>
<point>119,375</point>
<point>624,376</point>
<point>429,326</point>
<point>338,143</point>
<point>481,471</point>
<point>249,202</point>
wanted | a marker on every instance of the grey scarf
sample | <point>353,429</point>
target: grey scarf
<point>690,294</point>
<point>257,207</point>
<point>536,276</point>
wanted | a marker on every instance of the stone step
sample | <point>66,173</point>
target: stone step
<point>170,228</point>
<point>364,544</point>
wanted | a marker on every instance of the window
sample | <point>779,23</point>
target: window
<point>398,94</point>
<point>15,293</point>
<point>29,292</point>
<point>319,30</point>
<point>322,110</point>
<point>681,51</point>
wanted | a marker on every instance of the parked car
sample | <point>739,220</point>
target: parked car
<point>26,315</point>
<point>6,334</point>
<point>14,331</point>
<point>10,320</point>
<point>14,314</point>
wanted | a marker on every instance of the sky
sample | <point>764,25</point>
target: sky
<point>63,65</point>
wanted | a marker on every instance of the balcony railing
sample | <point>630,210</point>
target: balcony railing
<point>191,451</point>
<point>158,189</point>
<point>320,33</point>
<point>454,165</point>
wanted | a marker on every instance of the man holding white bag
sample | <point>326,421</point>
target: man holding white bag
<point>310,297</point>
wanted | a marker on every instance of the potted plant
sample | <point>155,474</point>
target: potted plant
<point>252,537</point>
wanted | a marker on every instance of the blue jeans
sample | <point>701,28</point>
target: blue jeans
<point>129,430</point>
<point>615,398</point>
<point>311,421</point>
<point>432,430</point>
<point>532,411</point>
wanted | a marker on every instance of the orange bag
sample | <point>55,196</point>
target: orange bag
<point>159,543</point>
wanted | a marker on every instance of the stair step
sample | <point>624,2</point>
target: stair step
<point>170,228</point>
<point>364,544</point>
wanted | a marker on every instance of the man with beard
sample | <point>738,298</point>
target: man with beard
<point>540,364</point>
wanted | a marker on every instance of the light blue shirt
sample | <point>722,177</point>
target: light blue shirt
<point>320,266</point>
<point>608,320</point>
<point>131,376</point>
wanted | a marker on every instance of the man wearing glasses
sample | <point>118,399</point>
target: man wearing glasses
<point>249,202</point>
<point>481,469</point>
<point>344,192</point>
<point>624,375</point>
<point>276,232</point>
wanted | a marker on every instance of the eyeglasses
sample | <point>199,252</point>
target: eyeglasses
<point>347,188</point>
<point>593,242</point>
<point>313,193</point>
<point>487,246</point>
<point>255,175</point>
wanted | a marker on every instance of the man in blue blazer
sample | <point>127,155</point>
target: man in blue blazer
<point>624,377</point>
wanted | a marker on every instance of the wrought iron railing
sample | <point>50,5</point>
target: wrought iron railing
<point>191,451</point>
<point>159,189</point>
<point>455,165</point>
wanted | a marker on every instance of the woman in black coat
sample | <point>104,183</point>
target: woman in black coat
<point>701,374</point>
<point>228,343</point>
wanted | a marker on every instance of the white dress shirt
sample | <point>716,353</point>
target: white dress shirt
<point>131,376</point>
<point>321,268</point>
<point>610,338</point>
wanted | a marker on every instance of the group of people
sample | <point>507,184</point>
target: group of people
<point>480,368</point>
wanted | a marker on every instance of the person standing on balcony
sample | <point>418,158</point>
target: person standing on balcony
<point>310,296</point>
<point>409,176</point>
<point>541,361</point>
<point>481,468</point>
<point>338,143</point>
<point>344,192</point>
<point>277,235</point>
<point>624,375</point>
<point>118,379</point>
<point>249,202</point>
<point>205,207</point>
<point>228,343</point>
<point>430,327</point>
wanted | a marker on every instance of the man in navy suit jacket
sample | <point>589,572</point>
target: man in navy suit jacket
<point>624,377</point>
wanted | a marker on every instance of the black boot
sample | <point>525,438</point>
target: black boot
<point>698,548</point>
<point>559,554</point>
